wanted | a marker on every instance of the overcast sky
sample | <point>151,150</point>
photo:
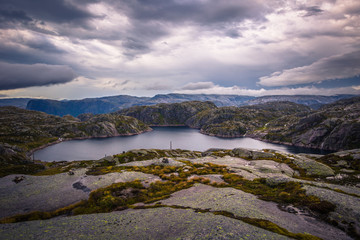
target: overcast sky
<point>89,48</point>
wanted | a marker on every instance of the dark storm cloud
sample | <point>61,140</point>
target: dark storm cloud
<point>15,76</point>
<point>8,18</point>
<point>151,20</point>
<point>14,54</point>
<point>33,50</point>
<point>334,67</point>
<point>199,12</point>
<point>311,11</point>
<point>198,86</point>
<point>58,11</point>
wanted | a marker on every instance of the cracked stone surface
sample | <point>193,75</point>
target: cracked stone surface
<point>250,169</point>
<point>48,193</point>
<point>247,205</point>
<point>158,223</point>
<point>347,207</point>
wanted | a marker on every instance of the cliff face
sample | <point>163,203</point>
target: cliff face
<point>335,126</point>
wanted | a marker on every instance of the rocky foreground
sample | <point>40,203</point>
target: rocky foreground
<point>178,194</point>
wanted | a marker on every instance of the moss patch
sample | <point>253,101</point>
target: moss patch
<point>288,193</point>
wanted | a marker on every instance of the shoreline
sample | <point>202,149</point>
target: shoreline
<point>29,153</point>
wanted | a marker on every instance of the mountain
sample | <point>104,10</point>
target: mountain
<point>88,105</point>
<point>334,126</point>
<point>218,99</point>
<point>312,101</point>
<point>164,114</point>
<point>237,121</point>
<point>213,120</point>
<point>15,102</point>
<point>115,103</point>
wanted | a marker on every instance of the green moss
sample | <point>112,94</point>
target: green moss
<point>332,159</point>
<point>40,142</point>
<point>146,154</point>
<point>38,215</point>
<point>52,168</point>
<point>288,193</point>
<point>261,223</point>
<point>20,169</point>
<point>120,196</point>
<point>270,226</point>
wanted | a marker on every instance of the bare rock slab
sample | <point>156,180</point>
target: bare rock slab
<point>247,205</point>
<point>158,223</point>
<point>47,193</point>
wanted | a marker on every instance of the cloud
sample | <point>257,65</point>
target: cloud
<point>307,90</point>
<point>335,67</point>
<point>198,86</point>
<point>188,45</point>
<point>312,11</point>
<point>15,76</point>
<point>204,12</point>
<point>148,22</point>
<point>10,17</point>
<point>44,10</point>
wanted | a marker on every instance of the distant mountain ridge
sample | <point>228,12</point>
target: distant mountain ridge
<point>313,101</point>
<point>15,102</point>
<point>115,103</point>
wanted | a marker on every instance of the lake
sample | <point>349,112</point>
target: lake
<point>160,138</point>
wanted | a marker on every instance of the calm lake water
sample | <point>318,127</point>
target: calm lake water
<point>160,137</point>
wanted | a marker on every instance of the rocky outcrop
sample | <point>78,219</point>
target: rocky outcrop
<point>312,167</point>
<point>333,127</point>
<point>237,121</point>
<point>167,114</point>
<point>251,154</point>
<point>23,130</point>
<point>13,154</point>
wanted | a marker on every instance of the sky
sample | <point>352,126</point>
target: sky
<point>73,49</point>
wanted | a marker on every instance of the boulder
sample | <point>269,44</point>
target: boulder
<point>261,155</point>
<point>242,153</point>
<point>312,167</point>
<point>251,154</point>
<point>276,180</point>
